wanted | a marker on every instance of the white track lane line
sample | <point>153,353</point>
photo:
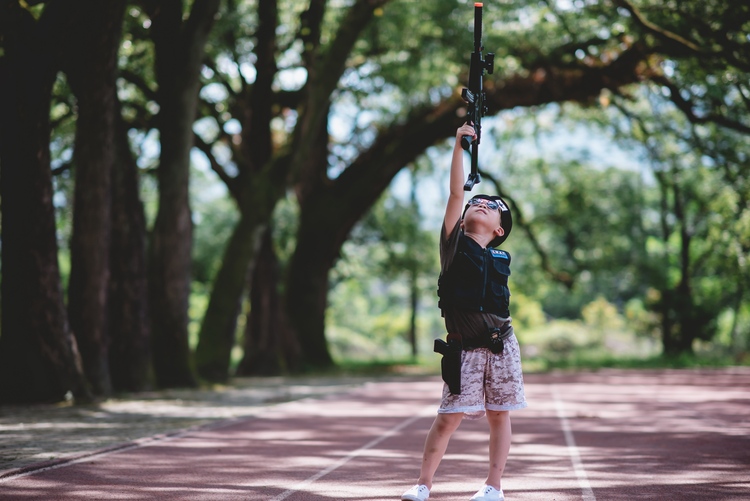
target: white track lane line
<point>583,481</point>
<point>341,462</point>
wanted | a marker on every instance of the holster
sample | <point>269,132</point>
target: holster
<point>450,365</point>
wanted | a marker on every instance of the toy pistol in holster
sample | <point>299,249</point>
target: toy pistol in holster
<point>450,365</point>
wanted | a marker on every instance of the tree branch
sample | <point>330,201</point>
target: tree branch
<point>309,31</point>
<point>201,19</point>
<point>656,30</point>
<point>581,83</point>
<point>336,54</point>
<point>311,139</point>
<point>688,109</point>
<point>229,181</point>
<point>257,128</point>
<point>140,83</point>
<point>519,221</point>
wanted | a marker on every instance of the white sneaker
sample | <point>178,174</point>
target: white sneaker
<point>488,493</point>
<point>416,493</point>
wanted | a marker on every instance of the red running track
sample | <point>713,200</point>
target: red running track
<point>607,435</point>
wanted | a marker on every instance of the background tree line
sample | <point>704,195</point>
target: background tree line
<point>321,105</point>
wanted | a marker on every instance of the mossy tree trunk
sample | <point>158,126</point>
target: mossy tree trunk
<point>258,186</point>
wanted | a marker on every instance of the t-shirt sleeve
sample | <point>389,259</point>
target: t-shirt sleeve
<point>448,245</point>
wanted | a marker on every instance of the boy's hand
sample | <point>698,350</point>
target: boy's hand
<point>466,129</point>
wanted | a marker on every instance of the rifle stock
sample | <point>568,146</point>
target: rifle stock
<point>475,97</point>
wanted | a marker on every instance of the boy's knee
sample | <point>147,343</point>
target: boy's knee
<point>448,422</point>
<point>498,416</point>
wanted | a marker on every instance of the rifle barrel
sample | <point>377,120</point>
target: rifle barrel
<point>477,26</point>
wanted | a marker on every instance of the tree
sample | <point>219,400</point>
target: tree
<point>179,45</point>
<point>380,148</point>
<point>39,357</point>
<point>397,227</point>
<point>269,345</point>
<point>91,67</point>
<point>282,81</point>
<point>130,355</point>
<point>699,243</point>
<point>258,185</point>
<point>396,144</point>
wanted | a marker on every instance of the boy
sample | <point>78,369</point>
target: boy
<point>481,361</point>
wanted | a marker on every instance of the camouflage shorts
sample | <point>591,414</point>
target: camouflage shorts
<point>488,382</point>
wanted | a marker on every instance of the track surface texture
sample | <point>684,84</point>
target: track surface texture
<point>662,435</point>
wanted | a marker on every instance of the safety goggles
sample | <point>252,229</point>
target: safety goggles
<point>490,204</point>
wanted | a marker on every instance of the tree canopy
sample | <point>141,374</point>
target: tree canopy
<point>305,113</point>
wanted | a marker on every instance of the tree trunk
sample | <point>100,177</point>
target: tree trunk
<point>259,185</point>
<point>307,296</point>
<point>39,359</point>
<point>217,335</point>
<point>324,227</point>
<point>170,261</point>
<point>130,361</point>
<point>413,274</point>
<point>180,48</point>
<point>673,341</point>
<point>258,197</point>
<point>92,69</point>
<point>682,319</point>
<point>414,307</point>
<point>270,349</point>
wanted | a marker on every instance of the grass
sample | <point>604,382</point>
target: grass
<point>384,367</point>
<point>576,360</point>
<point>583,362</point>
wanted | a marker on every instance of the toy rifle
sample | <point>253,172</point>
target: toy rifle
<point>475,97</point>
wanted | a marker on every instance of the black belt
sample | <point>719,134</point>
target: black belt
<point>492,340</point>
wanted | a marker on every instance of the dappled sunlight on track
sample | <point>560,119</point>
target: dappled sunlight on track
<point>607,435</point>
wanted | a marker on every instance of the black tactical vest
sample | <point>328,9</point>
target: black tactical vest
<point>476,280</point>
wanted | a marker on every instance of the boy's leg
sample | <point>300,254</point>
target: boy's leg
<point>500,436</point>
<point>436,444</point>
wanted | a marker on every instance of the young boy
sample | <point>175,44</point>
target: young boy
<point>481,361</point>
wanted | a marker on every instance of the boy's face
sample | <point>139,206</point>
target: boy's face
<point>484,207</point>
<point>482,213</point>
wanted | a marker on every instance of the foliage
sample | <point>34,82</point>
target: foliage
<point>369,314</point>
<point>214,217</point>
<point>607,256</point>
<point>697,239</point>
<point>591,223</point>
<point>603,334</point>
<point>577,224</point>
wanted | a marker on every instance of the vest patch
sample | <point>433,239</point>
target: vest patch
<point>500,253</point>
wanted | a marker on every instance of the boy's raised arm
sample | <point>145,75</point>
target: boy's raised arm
<point>456,196</point>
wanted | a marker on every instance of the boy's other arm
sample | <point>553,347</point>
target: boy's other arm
<point>456,196</point>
